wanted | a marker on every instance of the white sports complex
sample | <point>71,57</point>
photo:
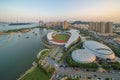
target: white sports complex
<point>83,56</point>
<point>73,33</point>
<point>98,49</point>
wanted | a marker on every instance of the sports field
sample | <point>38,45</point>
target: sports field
<point>60,38</point>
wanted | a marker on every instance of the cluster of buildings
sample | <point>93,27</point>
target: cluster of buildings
<point>41,23</point>
<point>81,26</point>
<point>91,49</point>
<point>64,25</point>
<point>101,27</point>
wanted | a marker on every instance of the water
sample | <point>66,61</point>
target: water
<point>4,27</point>
<point>17,52</point>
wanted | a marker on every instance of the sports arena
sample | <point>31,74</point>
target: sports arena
<point>63,38</point>
<point>98,49</point>
<point>57,38</point>
<point>83,56</point>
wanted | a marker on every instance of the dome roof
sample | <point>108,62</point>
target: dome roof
<point>83,56</point>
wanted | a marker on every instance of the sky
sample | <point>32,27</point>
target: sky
<point>59,10</point>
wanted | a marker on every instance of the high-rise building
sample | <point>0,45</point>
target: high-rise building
<point>54,24</point>
<point>102,28</point>
<point>109,27</point>
<point>65,25</point>
<point>41,23</point>
<point>91,26</point>
<point>96,26</point>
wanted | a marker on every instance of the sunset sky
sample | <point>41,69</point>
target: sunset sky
<point>58,10</point>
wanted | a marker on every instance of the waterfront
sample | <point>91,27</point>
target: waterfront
<point>5,27</point>
<point>18,51</point>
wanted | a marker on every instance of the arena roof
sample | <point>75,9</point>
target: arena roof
<point>74,36</point>
<point>49,35</point>
<point>83,56</point>
<point>99,49</point>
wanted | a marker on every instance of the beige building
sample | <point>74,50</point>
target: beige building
<point>81,26</point>
<point>101,27</point>
<point>109,27</point>
<point>54,23</point>
<point>65,25</point>
<point>41,23</point>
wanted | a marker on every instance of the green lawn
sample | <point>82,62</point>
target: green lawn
<point>61,37</point>
<point>36,74</point>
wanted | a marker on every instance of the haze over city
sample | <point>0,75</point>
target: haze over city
<point>59,10</point>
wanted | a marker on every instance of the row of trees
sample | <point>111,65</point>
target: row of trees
<point>114,65</point>
<point>115,50</point>
<point>72,63</point>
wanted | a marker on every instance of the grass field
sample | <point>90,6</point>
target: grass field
<point>36,74</point>
<point>60,38</point>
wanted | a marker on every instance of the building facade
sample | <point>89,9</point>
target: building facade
<point>65,25</point>
<point>41,23</point>
<point>101,27</point>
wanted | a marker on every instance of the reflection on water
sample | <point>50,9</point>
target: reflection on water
<point>17,53</point>
<point>8,39</point>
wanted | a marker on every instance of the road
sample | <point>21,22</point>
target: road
<point>73,72</point>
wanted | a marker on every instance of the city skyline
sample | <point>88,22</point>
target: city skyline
<point>53,10</point>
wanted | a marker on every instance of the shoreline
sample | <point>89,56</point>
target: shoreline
<point>17,30</point>
<point>34,65</point>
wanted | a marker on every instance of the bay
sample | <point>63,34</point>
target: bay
<point>18,51</point>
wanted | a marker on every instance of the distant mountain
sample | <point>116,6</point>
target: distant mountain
<point>79,22</point>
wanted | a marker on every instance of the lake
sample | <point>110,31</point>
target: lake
<point>18,50</point>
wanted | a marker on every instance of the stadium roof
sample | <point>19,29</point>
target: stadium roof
<point>74,36</point>
<point>49,35</point>
<point>83,56</point>
<point>98,47</point>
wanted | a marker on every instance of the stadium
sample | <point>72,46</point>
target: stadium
<point>63,38</point>
<point>83,56</point>
<point>99,50</point>
<point>57,38</point>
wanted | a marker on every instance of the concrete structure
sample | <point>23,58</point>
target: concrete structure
<point>83,56</point>
<point>74,36</point>
<point>41,23</point>
<point>65,25</point>
<point>81,26</point>
<point>73,33</point>
<point>101,27</point>
<point>50,38</point>
<point>99,49</point>
<point>109,27</point>
<point>53,24</point>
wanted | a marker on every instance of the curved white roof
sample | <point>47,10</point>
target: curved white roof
<point>74,36</point>
<point>83,56</point>
<point>49,35</point>
<point>99,49</point>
